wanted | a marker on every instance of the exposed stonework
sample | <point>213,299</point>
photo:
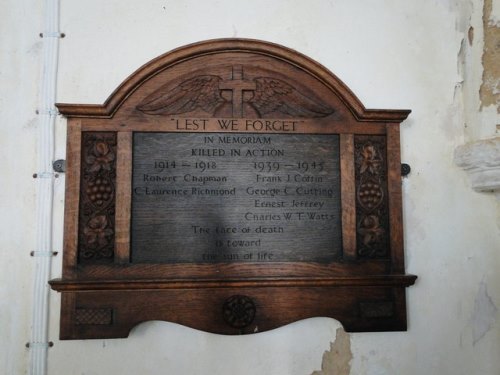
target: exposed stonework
<point>481,160</point>
<point>490,87</point>
<point>337,361</point>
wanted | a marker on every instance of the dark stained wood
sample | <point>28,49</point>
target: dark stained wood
<point>319,126</point>
<point>358,308</point>
<point>222,88</point>
<point>348,196</point>
<point>372,211</point>
<point>72,198</point>
<point>123,197</point>
<point>360,281</point>
<point>395,198</point>
<point>234,270</point>
<point>68,306</point>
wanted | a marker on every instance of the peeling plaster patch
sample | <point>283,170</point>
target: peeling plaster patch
<point>490,87</point>
<point>495,13</point>
<point>462,9</point>
<point>460,61</point>
<point>337,361</point>
<point>498,209</point>
<point>470,35</point>
<point>484,315</point>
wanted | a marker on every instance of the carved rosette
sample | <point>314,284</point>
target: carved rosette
<point>239,311</point>
<point>372,214</point>
<point>97,197</point>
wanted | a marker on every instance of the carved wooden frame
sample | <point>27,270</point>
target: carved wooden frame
<point>104,295</point>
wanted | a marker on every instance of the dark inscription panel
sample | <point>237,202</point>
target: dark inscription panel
<point>209,198</point>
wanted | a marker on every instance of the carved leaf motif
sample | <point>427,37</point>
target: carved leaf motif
<point>199,92</point>
<point>371,230</point>
<point>101,148</point>
<point>100,158</point>
<point>371,161</point>
<point>97,231</point>
<point>98,222</point>
<point>275,95</point>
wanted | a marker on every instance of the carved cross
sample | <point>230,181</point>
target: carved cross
<point>238,85</point>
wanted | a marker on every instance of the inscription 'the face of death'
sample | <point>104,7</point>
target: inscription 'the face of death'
<point>255,97</point>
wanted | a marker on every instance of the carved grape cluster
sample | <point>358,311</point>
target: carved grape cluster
<point>99,191</point>
<point>370,194</point>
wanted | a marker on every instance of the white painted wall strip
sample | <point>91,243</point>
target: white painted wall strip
<point>45,186</point>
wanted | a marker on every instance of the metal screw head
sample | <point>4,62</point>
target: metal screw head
<point>59,165</point>
<point>405,169</point>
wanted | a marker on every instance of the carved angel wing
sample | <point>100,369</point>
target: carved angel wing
<point>198,92</point>
<point>274,95</point>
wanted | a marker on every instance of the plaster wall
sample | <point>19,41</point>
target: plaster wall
<point>392,54</point>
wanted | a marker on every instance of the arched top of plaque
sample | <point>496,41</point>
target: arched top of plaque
<point>234,78</point>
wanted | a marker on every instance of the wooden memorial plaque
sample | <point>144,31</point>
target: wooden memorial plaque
<point>232,186</point>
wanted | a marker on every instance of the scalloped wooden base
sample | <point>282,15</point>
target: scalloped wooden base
<point>111,309</point>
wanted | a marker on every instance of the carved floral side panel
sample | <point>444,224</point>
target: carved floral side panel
<point>372,212</point>
<point>96,235</point>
